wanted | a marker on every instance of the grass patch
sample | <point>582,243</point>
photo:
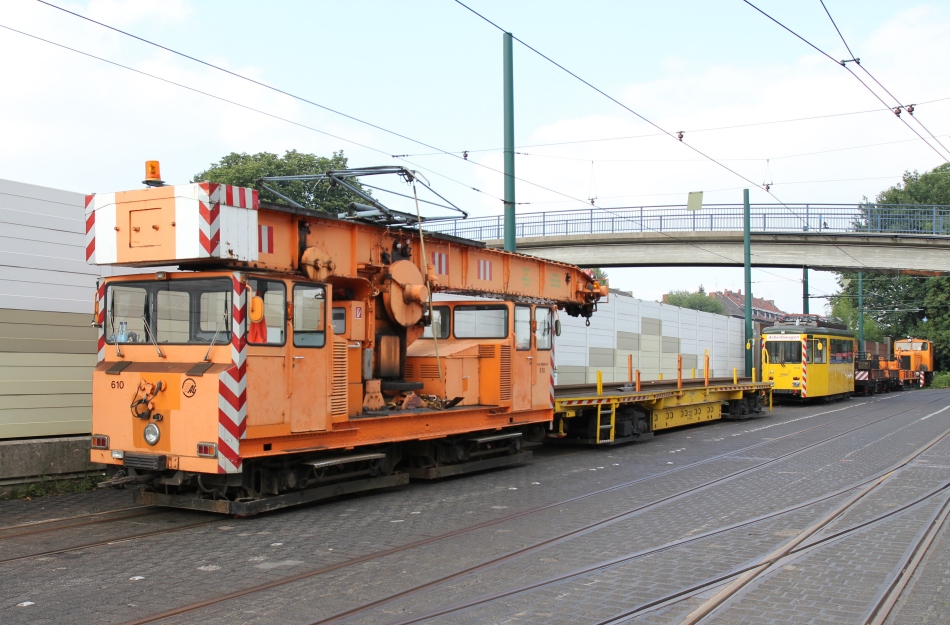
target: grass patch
<point>52,486</point>
<point>941,379</point>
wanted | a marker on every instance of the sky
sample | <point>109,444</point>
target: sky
<point>431,71</point>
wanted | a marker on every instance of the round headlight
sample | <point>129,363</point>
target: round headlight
<point>152,434</point>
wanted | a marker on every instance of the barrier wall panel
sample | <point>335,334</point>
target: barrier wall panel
<point>646,330</point>
<point>47,346</point>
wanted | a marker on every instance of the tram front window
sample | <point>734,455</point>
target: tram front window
<point>784,352</point>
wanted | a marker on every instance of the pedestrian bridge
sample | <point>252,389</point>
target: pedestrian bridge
<point>853,237</point>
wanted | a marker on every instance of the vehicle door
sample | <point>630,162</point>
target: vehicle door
<point>543,373</point>
<point>267,378</point>
<point>310,358</point>
<point>523,367</point>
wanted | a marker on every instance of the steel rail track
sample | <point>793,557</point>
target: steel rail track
<point>379,554</point>
<point>70,518</point>
<point>768,563</point>
<point>884,606</point>
<point>686,593</point>
<point>112,541</point>
<point>492,563</point>
<point>52,525</point>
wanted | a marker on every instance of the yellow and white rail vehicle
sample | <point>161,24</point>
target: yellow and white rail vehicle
<point>808,357</point>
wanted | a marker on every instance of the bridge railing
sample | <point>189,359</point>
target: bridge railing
<point>933,220</point>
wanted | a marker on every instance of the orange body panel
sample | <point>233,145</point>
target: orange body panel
<point>288,389</point>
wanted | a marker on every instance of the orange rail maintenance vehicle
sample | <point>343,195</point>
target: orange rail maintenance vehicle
<point>279,363</point>
<point>916,361</point>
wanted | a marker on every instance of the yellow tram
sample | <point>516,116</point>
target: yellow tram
<point>808,357</point>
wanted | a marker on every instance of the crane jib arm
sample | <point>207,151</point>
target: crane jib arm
<point>210,225</point>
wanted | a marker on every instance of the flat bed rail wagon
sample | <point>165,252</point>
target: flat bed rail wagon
<point>608,414</point>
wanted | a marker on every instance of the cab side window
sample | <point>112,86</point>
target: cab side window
<point>817,351</point>
<point>310,309</point>
<point>544,328</point>
<point>271,328</point>
<point>339,321</point>
<point>522,327</point>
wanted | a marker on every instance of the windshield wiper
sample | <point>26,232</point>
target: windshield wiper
<point>115,335</point>
<point>148,331</point>
<point>217,328</point>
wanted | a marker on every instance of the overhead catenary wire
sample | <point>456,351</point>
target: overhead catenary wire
<point>847,69</point>
<point>400,135</point>
<point>677,135</point>
<point>900,105</point>
<point>238,104</point>
<point>690,132</point>
<point>232,102</point>
<point>731,260</point>
<point>700,160</point>
<point>283,92</point>
<point>610,97</point>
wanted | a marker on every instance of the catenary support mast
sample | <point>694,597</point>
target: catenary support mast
<point>747,245</point>
<point>804,290</point>
<point>509,105</point>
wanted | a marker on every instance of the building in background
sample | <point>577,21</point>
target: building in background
<point>764,311</point>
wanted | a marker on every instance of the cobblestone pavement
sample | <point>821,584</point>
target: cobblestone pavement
<point>126,580</point>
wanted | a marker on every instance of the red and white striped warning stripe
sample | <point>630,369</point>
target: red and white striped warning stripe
<point>101,318</point>
<point>265,239</point>
<point>90,229</point>
<point>484,269</point>
<point>551,366</point>
<point>440,262</point>
<point>209,228</point>
<point>804,366</point>
<point>232,385</point>
<point>920,377</point>
<point>860,375</point>
<point>209,209</point>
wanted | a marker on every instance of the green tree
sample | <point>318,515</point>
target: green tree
<point>929,189</point>
<point>897,305</point>
<point>845,307</point>
<point>246,169</point>
<point>599,274</point>
<point>695,301</point>
<point>932,187</point>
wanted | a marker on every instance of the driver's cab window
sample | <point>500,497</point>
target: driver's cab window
<point>440,324</point>
<point>310,306</point>
<point>522,327</point>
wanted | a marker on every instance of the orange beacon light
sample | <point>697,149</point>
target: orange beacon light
<point>153,174</point>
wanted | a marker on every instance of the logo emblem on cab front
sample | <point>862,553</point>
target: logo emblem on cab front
<point>189,387</point>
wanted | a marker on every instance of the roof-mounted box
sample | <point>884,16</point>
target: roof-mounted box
<point>172,224</point>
